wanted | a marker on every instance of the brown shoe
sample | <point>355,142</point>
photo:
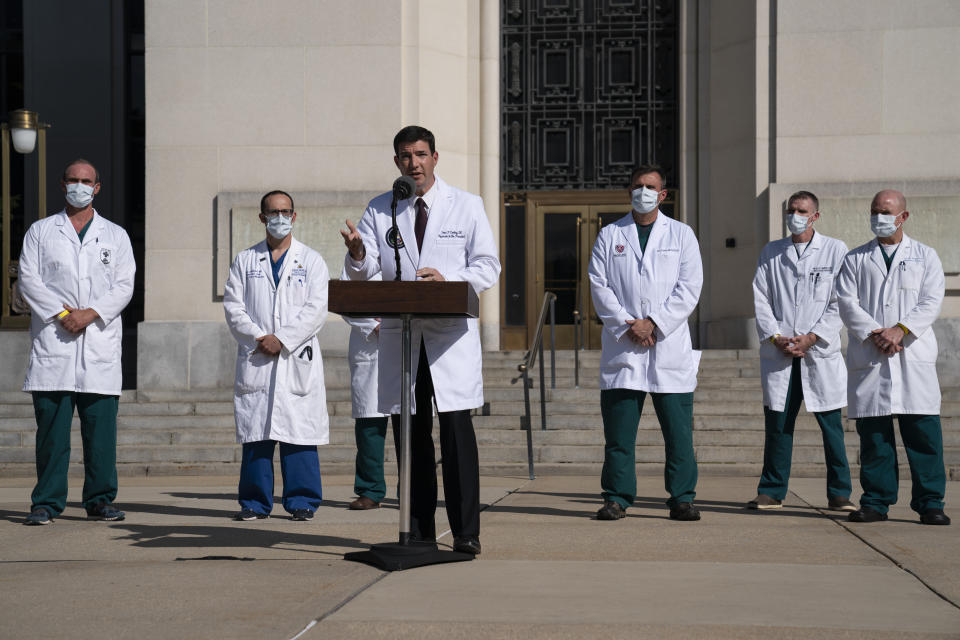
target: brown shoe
<point>839,503</point>
<point>363,503</point>
<point>763,501</point>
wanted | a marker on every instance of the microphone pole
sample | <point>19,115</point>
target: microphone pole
<point>403,188</point>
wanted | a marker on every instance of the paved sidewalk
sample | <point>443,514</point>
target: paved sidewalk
<point>178,567</point>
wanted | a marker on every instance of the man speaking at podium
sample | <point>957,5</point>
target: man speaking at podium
<point>443,235</point>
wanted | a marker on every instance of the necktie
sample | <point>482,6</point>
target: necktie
<point>421,225</point>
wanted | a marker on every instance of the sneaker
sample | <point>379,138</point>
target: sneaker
<point>684,511</point>
<point>301,515</point>
<point>934,516</point>
<point>105,511</point>
<point>839,503</point>
<point>763,501</point>
<point>611,511</point>
<point>866,514</point>
<point>246,515</point>
<point>37,517</point>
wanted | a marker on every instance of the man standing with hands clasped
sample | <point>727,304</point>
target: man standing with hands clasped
<point>76,273</point>
<point>800,361</point>
<point>275,302</point>
<point>890,290</point>
<point>444,235</point>
<point>645,277</point>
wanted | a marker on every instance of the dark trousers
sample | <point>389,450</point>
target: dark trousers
<point>98,431</point>
<point>461,466</point>
<point>621,409</point>
<point>370,433</point>
<point>299,467</point>
<point>778,445</point>
<point>923,440</point>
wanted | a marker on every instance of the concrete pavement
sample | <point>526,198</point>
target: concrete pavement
<point>179,567</point>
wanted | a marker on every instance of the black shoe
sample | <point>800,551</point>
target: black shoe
<point>38,517</point>
<point>467,544</point>
<point>611,511</point>
<point>246,515</point>
<point>105,511</point>
<point>934,516</point>
<point>301,515</point>
<point>684,511</point>
<point>866,514</point>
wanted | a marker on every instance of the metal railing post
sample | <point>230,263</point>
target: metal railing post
<point>525,420</point>
<point>553,349</point>
<point>576,349</point>
<point>543,392</point>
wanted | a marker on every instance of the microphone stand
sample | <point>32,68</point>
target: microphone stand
<point>396,233</point>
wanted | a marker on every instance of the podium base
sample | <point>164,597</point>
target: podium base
<point>393,556</point>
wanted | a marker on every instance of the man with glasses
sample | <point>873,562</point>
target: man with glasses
<point>891,290</point>
<point>76,273</point>
<point>275,303</point>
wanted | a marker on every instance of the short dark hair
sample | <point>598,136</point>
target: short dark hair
<point>275,192</point>
<point>412,134</point>
<point>799,195</point>
<point>649,168</point>
<point>81,161</point>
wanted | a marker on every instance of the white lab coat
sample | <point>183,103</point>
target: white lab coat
<point>362,355</point>
<point>871,298</point>
<point>662,284</point>
<point>458,242</point>
<point>280,398</point>
<point>794,296</point>
<point>55,269</point>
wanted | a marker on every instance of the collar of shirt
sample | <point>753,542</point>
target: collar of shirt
<point>428,197</point>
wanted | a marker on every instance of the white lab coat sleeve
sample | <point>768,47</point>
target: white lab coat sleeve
<point>109,305</point>
<point>482,263</point>
<point>366,326</point>
<point>241,325</point>
<point>44,303</point>
<point>859,323</point>
<point>608,307</point>
<point>932,290</point>
<point>370,265</point>
<point>681,302</point>
<point>767,324</point>
<point>313,313</point>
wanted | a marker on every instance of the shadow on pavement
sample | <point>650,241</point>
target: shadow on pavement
<point>186,537</point>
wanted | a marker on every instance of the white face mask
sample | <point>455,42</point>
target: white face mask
<point>797,223</point>
<point>79,195</point>
<point>883,226</point>
<point>645,200</point>
<point>279,226</point>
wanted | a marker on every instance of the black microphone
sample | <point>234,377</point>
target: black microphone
<point>403,188</point>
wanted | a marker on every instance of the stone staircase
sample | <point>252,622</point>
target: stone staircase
<point>192,432</point>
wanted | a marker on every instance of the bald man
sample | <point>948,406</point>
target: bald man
<point>890,291</point>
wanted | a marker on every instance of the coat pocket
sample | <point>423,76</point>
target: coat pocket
<point>301,368</point>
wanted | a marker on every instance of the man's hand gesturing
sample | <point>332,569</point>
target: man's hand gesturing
<point>354,242</point>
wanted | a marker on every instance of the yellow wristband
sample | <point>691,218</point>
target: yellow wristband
<point>63,314</point>
<point>905,330</point>
<point>773,339</point>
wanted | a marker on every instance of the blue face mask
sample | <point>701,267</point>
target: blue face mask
<point>797,223</point>
<point>279,226</point>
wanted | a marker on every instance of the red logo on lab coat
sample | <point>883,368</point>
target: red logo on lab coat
<point>619,248</point>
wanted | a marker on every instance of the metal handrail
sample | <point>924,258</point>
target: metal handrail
<point>536,348</point>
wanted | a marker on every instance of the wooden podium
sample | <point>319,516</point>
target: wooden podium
<point>404,299</point>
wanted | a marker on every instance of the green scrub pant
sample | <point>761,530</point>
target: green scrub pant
<point>98,431</point>
<point>368,480</point>
<point>778,445</point>
<point>621,409</point>
<point>923,441</point>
